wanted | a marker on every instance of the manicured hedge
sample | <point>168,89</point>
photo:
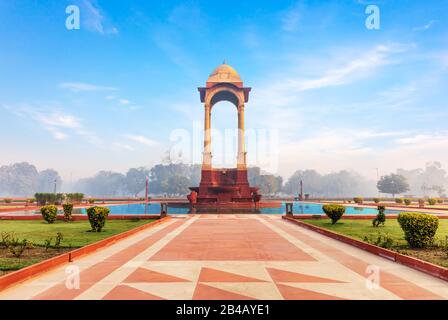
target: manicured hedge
<point>97,217</point>
<point>334,212</point>
<point>419,228</point>
<point>68,208</point>
<point>49,213</point>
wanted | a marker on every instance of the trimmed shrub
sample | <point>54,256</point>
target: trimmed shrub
<point>398,200</point>
<point>91,201</point>
<point>407,202</point>
<point>380,217</point>
<point>440,201</point>
<point>49,213</point>
<point>75,197</point>
<point>45,198</point>
<point>358,200</point>
<point>7,200</point>
<point>97,217</point>
<point>376,200</point>
<point>419,228</point>
<point>334,212</point>
<point>432,202</point>
<point>383,241</point>
<point>68,208</point>
<point>31,200</point>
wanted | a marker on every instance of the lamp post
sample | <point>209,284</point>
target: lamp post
<point>146,189</point>
<point>377,180</point>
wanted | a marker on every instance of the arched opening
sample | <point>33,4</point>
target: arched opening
<point>224,135</point>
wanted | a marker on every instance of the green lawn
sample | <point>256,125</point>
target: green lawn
<point>76,234</point>
<point>358,229</point>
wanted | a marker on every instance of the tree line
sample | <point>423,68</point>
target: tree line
<point>23,179</point>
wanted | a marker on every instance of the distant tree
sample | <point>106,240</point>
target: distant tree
<point>136,180</point>
<point>46,179</point>
<point>174,179</point>
<point>103,184</point>
<point>268,183</point>
<point>393,184</point>
<point>18,179</point>
<point>312,181</point>
<point>428,181</point>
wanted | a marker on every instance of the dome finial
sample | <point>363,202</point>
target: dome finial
<point>224,61</point>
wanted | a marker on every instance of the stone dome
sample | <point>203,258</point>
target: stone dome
<point>224,73</point>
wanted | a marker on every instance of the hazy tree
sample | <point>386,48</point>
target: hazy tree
<point>103,184</point>
<point>431,180</point>
<point>18,179</point>
<point>393,184</point>
<point>136,180</point>
<point>46,181</point>
<point>174,178</point>
<point>312,182</point>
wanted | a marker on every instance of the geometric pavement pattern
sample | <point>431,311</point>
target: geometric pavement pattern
<point>230,257</point>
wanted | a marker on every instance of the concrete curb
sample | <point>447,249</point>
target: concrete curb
<point>420,265</point>
<point>44,266</point>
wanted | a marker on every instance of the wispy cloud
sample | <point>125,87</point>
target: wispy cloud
<point>95,19</point>
<point>59,123</point>
<point>82,86</point>
<point>123,146</point>
<point>426,26</point>
<point>141,139</point>
<point>291,18</point>
<point>284,89</point>
<point>359,67</point>
<point>124,101</point>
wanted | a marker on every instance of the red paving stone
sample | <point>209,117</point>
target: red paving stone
<point>291,293</point>
<point>397,285</point>
<point>145,275</point>
<point>123,292</point>
<point>205,292</point>
<point>288,276</point>
<point>212,275</point>
<point>100,270</point>
<point>204,257</point>
<point>230,239</point>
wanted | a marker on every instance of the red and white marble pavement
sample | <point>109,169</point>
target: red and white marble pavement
<point>230,257</point>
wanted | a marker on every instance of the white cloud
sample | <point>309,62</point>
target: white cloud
<point>291,18</point>
<point>334,149</point>
<point>124,101</point>
<point>56,121</point>
<point>80,87</point>
<point>426,26</point>
<point>123,146</point>
<point>141,139</point>
<point>357,68</point>
<point>95,19</point>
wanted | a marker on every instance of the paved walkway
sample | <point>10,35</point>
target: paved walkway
<point>230,257</point>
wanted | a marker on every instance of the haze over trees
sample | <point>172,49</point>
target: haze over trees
<point>393,184</point>
<point>23,179</point>
<point>430,181</point>
<point>338,184</point>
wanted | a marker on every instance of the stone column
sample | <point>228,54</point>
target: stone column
<point>207,155</point>
<point>241,159</point>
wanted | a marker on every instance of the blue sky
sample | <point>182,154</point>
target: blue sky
<point>110,95</point>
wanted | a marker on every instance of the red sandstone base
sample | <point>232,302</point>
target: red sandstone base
<point>224,188</point>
